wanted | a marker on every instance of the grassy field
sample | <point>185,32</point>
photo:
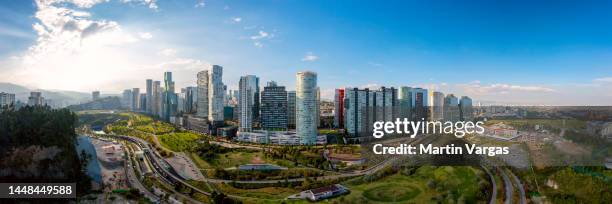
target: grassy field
<point>178,142</point>
<point>428,184</point>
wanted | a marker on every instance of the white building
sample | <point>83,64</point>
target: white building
<point>247,98</point>
<point>36,99</point>
<point>306,110</point>
<point>7,99</point>
<point>202,107</point>
<point>436,110</point>
<point>275,137</point>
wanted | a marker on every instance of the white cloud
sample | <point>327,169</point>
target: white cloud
<point>236,19</point>
<point>168,52</point>
<point>200,4</point>
<point>261,35</point>
<point>145,35</point>
<point>476,88</point>
<point>603,80</point>
<point>152,4</point>
<point>310,57</point>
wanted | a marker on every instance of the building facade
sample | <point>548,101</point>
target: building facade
<point>247,100</point>
<point>202,107</point>
<point>437,106</point>
<point>149,96</point>
<point>7,99</point>
<point>339,108</point>
<point>306,110</point>
<point>465,108</point>
<point>274,107</point>
<point>451,108</point>
<point>291,109</point>
<point>216,94</point>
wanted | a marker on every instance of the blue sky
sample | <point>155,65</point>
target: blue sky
<point>517,51</point>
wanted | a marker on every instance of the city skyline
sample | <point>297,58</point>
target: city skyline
<point>88,45</point>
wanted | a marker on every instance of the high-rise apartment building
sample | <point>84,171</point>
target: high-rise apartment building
<point>126,99</point>
<point>318,108</point>
<point>95,95</point>
<point>135,99</point>
<point>465,108</point>
<point>36,99</point>
<point>306,110</point>
<point>7,99</point>
<point>157,93</point>
<point>364,106</point>
<point>436,109</point>
<point>149,96</point>
<point>339,108</point>
<point>451,108</point>
<point>291,109</point>
<point>216,93</point>
<point>248,96</point>
<point>202,107</point>
<point>274,107</point>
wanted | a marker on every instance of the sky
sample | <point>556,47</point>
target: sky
<point>519,52</point>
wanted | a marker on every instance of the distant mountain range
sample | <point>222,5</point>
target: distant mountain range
<point>59,98</point>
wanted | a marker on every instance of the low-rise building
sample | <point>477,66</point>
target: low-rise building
<point>274,137</point>
<point>318,194</point>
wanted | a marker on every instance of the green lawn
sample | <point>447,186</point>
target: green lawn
<point>451,183</point>
<point>179,142</point>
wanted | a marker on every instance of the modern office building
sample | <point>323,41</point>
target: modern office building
<point>274,107</point>
<point>170,100</point>
<point>436,108</point>
<point>404,102</point>
<point>126,99</point>
<point>135,99</point>
<point>291,109</point>
<point>419,104</point>
<point>306,110</point>
<point>149,96</point>
<point>36,99</point>
<point>451,108</point>
<point>465,108</point>
<point>318,107</point>
<point>7,99</point>
<point>247,100</point>
<point>191,99</point>
<point>202,107</point>
<point>216,93</point>
<point>339,108</point>
<point>143,102</point>
<point>95,95</point>
<point>156,100</point>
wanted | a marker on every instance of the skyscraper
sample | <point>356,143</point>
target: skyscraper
<point>202,107</point>
<point>215,95</point>
<point>364,106</point>
<point>126,100</point>
<point>248,88</point>
<point>465,108</point>
<point>451,108</point>
<point>318,107</point>
<point>437,105</point>
<point>169,96</point>
<point>149,96</point>
<point>36,99</point>
<point>7,99</point>
<point>291,109</point>
<point>419,103</point>
<point>143,102</point>
<point>405,102</point>
<point>274,107</point>
<point>306,101</point>
<point>135,99</point>
<point>156,100</point>
<point>339,108</point>
<point>191,99</point>
<point>95,95</point>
